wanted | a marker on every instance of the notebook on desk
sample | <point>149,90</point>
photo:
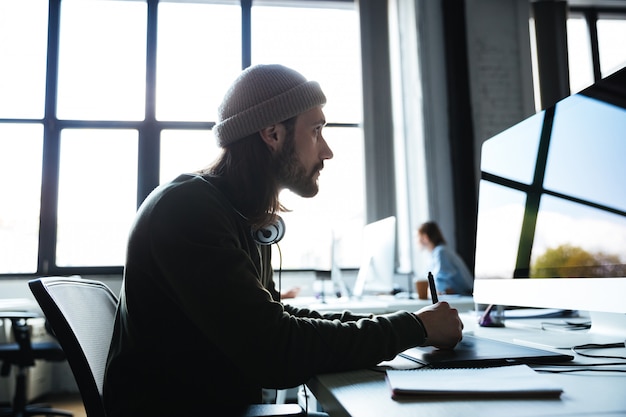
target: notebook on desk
<point>478,352</point>
<point>519,381</point>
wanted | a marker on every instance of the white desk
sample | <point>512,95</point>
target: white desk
<point>365,393</point>
<point>377,304</point>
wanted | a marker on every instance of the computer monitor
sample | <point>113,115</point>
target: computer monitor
<point>377,268</point>
<point>551,229</point>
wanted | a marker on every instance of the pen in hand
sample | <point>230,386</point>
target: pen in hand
<point>433,289</point>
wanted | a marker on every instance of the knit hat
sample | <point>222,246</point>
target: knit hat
<point>261,96</point>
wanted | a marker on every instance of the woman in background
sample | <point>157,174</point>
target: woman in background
<point>451,274</point>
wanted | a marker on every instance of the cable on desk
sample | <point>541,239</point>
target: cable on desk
<point>563,371</point>
<point>598,346</point>
<point>566,325</point>
<point>591,367</point>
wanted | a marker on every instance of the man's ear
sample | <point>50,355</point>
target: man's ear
<point>273,136</point>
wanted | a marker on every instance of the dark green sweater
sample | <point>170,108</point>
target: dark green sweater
<point>198,323</point>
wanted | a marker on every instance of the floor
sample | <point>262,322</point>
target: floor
<point>69,402</point>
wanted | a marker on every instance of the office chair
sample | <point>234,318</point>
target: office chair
<point>22,354</point>
<point>81,313</point>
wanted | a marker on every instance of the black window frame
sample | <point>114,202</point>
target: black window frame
<point>149,131</point>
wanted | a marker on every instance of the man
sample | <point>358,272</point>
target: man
<point>200,324</point>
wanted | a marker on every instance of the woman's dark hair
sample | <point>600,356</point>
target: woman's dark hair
<point>431,229</point>
<point>246,174</point>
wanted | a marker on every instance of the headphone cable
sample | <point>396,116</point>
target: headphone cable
<point>280,272</point>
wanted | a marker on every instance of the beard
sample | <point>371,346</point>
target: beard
<point>291,174</point>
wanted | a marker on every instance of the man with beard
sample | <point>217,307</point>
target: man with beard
<point>200,325</point>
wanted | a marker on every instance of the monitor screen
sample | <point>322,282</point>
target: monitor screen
<point>551,226</point>
<point>377,268</point>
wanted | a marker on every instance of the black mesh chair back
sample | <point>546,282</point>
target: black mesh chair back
<point>81,314</point>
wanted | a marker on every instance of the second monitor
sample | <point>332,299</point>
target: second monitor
<point>378,260</point>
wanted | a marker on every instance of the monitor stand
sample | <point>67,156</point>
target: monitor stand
<point>362,278</point>
<point>339,284</point>
<point>606,328</point>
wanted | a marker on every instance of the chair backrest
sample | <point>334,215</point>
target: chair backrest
<point>81,314</point>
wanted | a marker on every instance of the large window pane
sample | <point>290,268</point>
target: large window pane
<point>20,185</point>
<point>102,60</point>
<point>97,196</point>
<point>185,151</point>
<point>322,44</point>
<point>611,35</point>
<point>23,36</point>
<point>199,55</point>
<point>579,54</point>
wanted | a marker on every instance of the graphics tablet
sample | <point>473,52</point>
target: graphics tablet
<point>479,352</point>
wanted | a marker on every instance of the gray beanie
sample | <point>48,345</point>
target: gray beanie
<point>261,96</point>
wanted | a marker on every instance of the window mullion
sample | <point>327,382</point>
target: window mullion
<point>149,132</point>
<point>591,16</point>
<point>246,33</point>
<point>51,149</point>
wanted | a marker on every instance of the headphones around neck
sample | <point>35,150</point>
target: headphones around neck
<point>270,234</point>
<point>267,235</point>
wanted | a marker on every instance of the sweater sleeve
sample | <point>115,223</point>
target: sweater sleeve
<point>342,316</point>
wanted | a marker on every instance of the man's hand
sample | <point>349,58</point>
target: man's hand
<point>443,325</point>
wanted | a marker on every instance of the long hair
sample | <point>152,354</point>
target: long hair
<point>246,173</point>
<point>432,230</point>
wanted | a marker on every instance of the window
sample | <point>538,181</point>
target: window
<point>595,45</point>
<point>97,194</point>
<point>579,53</point>
<point>94,119</point>
<point>101,71</point>
<point>23,32</point>
<point>611,32</point>
<point>19,209</point>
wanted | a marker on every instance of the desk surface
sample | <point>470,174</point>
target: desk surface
<point>19,304</point>
<point>365,393</point>
<point>378,304</point>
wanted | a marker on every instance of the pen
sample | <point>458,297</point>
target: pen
<point>433,289</point>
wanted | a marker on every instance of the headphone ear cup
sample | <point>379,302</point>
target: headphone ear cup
<point>270,234</point>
